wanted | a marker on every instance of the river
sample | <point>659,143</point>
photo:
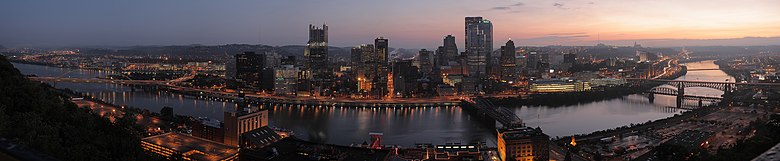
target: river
<point>402,126</point>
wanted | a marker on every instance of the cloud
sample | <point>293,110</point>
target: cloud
<point>500,8</point>
<point>592,3</point>
<point>518,4</point>
<point>560,5</point>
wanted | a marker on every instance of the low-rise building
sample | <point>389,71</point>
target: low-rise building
<point>457,152</point>
<point>208,128</point>
<point>523,144</point>
<point>607,82</point>
<point>173,145</point>
<point>554,86</point>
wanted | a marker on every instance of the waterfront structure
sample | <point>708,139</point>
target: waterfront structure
<point>173,145</point>
<point>556,85</point>
<point>249,67</point>
<point>241,121</point>
<point>479,45</point>
<point>208,128</point>
<point>425,62</point>
<point>607,82</point>
<point>508,66</point>
<point>316,53</point>
<point>286,80</point>
<point>523,144</point>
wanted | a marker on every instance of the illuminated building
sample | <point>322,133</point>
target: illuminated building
<point>523,144</point>
<point>457,152</point>
<point>479,45</point>
<point>244,120</point>
<point>316,52</point>
<point>173,145</point>
<point>553,86</point>
<point>208,128</point>
<point>286,80</point>
<point>508,66</point>
<point>371,67</point>
<point>390,88</point>
<point>382,48</point>
<point>607,82</point>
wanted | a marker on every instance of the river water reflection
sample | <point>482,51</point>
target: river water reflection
<point>402,126</point>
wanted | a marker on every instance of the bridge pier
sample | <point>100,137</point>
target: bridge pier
<point>680,94</point>
<point>651,97</point>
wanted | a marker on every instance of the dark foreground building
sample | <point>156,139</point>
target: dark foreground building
<point>294,149</point>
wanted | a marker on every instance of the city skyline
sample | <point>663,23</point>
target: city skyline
<point>528,23</point>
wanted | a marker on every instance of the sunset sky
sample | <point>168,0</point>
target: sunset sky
<point>407,23</point>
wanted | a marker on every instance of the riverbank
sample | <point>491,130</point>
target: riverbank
<point>738,74</point>
<point>58,66</point>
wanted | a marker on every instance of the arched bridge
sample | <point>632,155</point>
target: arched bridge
<point>675,92</point>
<point>723,86</point>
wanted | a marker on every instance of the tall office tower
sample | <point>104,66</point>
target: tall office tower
<point>365,66</point>
<point>355,58</point>
<point>441,57</point>
<point>533,60</point>
<point>249,67</point>
<point>316,53</point>
<point>450,48</point>
<point>424,59</point>
<point>381,46</point>
<point>508,66</point>
<point>523,144</point>
<point>479,45</point>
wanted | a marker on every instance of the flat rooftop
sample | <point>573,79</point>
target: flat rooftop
<point>193,147</point>
<point>293,149</point>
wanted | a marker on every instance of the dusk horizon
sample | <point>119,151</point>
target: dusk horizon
<point>413,24</point>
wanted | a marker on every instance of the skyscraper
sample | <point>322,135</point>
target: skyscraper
<point>479,45</point>
<point>249,67</point>
<point>424,59</point>
<point>381,46</point>
<point>382,49</point>
<point>316,53</point>
<point>449,52</point>
<point>365,66</point>
<point>508,65</point>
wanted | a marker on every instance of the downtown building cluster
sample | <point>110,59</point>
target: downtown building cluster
<point>371,73</point>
